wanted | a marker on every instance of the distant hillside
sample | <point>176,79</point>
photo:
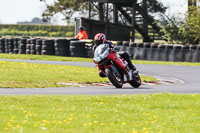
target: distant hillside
<point>34,21</point>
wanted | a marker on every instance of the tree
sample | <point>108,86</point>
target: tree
<point>154,6</point>
<point>69,7</point>
<point>66,7</point>
<point>183,30</point>
<point>191,28</point>
<point>171,28</point>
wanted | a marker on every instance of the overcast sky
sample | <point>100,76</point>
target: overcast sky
<point>13,11</point>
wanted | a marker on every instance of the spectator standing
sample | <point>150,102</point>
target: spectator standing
<point>82,34</point>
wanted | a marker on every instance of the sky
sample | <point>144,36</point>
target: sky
<point>175,6</point>
<point>13,11</point>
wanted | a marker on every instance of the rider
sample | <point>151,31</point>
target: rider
<point>99,39</point>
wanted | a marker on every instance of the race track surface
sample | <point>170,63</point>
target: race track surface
<point>187,81</point>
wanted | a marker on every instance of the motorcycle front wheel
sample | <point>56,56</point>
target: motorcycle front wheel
<point>116,81</point>
<point>136,82</point>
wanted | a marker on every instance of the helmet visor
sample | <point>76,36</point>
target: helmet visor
<point>98,42</point>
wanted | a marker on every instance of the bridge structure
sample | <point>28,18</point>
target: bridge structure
<point>135,17</point>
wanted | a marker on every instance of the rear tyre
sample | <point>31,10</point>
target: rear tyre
<point>117,82</point>
<point>136,82</point>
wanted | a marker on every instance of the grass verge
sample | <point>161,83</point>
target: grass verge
<point>155,113</point>
<point>57,58</point>
<point>165,63</point>
<point>29,75</point>
<point>43,57</point>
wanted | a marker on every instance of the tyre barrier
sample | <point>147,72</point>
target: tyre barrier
<point>77,49</point>
<point>177,54</point>
<point>118,45</point>
<point>6,45</point>
<point>9,45</point>
<point>131,52</point>
<point>32,46</point>
<point>127,48</point>
<point>89,51</point>
<point>125,43</point>
<point>62,47</point>
<point>48,47</point>
<point>161,52</point>
<point>187,55</point>
<point>16,46</point>
<point>22,46</point>
<point>123,46</point>
<point>154,52</point>
<point>169,56</point>
<point>138,51</point>
<point>197,55</point>
<point>194,51</point>
<point>146,48</point>
<point>38,46</point>
<point>28,46</point>
<point>2,45</point>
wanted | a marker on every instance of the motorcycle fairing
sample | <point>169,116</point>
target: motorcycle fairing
<point>116,58</point>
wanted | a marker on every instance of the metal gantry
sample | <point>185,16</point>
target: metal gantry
<point>119,6</point>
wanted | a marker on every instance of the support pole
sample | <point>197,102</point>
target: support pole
<point>133,20</point>
<point>89,4</point>
<point>106,27</point>
<point>89,27</point>
<point>101,11</point>
<point>115,14</point>
<point>145,22</point>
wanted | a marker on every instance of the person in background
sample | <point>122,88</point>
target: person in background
<point>82,34</point>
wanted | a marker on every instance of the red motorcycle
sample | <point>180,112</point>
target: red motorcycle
<point>113,66</point>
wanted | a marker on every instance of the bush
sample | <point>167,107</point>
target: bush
<point>69,34</point>
<point>24,27</point>
<point>191,29</point>
<point>183,30</point>
<point>36,30</point>
<point>171,28</point>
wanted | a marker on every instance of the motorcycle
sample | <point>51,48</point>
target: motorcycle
<point>113,66</point>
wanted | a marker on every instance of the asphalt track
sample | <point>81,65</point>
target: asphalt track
<point>186,81</point>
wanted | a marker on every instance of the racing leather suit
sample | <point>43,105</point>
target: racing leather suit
<point>124,55</point>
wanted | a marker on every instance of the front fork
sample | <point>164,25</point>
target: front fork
<point>127,76</point>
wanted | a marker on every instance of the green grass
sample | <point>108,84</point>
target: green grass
<point>165,63</point>
<point>57,58</point>
<point>43,57</point>
<point>155,113</point>
<point>29,75</point>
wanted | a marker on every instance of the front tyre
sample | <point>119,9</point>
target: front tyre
<point>136,82</point>
<point>116,81</point>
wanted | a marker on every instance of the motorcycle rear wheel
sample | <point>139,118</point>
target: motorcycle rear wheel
<point>113,79</point>
<point>136,82</point>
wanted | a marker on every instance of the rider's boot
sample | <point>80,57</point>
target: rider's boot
<point>132,66</point>
<point>125,55</point>
<point>101,74</point>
